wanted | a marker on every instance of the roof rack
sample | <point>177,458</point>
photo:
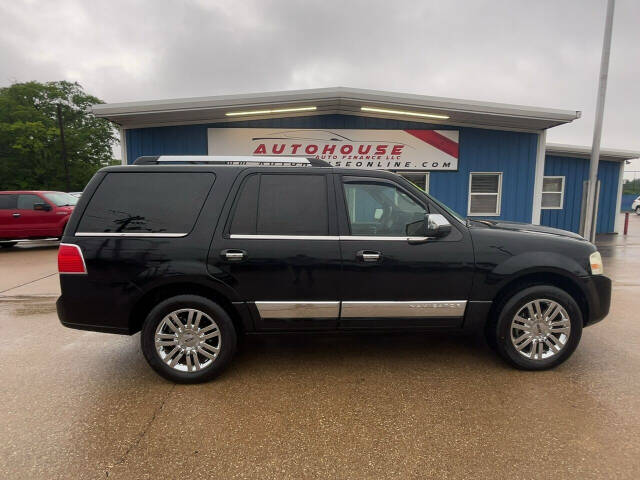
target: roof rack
<point>231,160</point>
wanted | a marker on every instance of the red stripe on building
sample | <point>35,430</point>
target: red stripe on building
<point>436,140</point>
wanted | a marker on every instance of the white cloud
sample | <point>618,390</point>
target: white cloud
<point>543,53</point>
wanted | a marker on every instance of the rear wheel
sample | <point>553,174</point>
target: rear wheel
<point>538,328</point>
<point>7,244</point>
<point>188,339</point>
<point>638,210</point>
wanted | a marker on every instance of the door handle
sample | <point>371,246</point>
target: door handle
<point>16,215</point>
<point>368,256</point>
<point>233,255</point>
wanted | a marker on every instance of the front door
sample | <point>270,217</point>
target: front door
<point>31,222</point>
<point>279,249</point>
<point>387,280</point>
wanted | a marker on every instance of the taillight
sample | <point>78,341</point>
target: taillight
<point>70,259</point>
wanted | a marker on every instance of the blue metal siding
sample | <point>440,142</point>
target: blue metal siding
<point>608,173</point>
<point>576,171</point>
<point>512,153</point>
<point>174,140</point>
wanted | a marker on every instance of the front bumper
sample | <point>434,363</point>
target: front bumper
<point>597,290</point>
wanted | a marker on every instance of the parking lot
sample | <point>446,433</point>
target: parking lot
<point>86,405</point>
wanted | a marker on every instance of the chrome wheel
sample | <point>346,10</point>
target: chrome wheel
<point>540,329</point>
<point>188,340</point>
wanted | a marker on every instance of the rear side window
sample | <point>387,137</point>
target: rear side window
<point>272,204</point>
<point>146,203</point>
<point>8,201</point>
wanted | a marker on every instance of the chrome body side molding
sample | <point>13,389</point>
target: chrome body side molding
<point>298,309</point>
<point>329,309</point>
<point>417,308</point>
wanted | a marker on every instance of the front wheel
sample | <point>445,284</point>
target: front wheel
<point>188,339</point>
<point>538,328</point>
<point>638,210</point>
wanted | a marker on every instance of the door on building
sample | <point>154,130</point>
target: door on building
<point>281,251</point>
<point>386,280</point>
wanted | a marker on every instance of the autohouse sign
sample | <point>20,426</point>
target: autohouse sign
<point>378,149</point>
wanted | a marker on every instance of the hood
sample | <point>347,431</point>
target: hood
<point>523,227</point>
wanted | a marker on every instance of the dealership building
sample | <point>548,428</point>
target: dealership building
<point>485,160</point>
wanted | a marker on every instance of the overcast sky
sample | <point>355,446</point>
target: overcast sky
<point>541,53</point>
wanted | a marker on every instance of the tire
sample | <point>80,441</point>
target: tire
<point>188,341</point>
<point>564,325</point>
<point>638,210</point>
<point>7,244</point>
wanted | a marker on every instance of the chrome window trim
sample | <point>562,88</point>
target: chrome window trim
<point>373,237</point>
<point>414,308</point>
<point>130,234</point>
<point>311,309</point>
<point>323,237</point>
<point>283,237</point>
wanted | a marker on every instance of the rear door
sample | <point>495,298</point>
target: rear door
<point>279,248</point>
<point>8,202</point>
<point>387,281</point>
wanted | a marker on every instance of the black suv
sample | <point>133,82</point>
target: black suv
<point>195,251</point>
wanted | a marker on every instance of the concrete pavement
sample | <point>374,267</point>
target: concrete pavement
<point>85,405</point>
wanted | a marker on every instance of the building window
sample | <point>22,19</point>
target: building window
<point>419,179</point>
<point>485,194</point>
<point>553,193</point>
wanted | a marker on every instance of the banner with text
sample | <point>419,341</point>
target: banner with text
<point>378,149</point>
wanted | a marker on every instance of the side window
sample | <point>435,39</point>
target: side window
<point>485,192</point>
<point>26,201</point>
<point>419,179</point>
<point>275,204</point>
<point>245,213</point>
<point>552,193</point>
<point>377,209</point>
<point>8,201</point>
<point>293,205</point>
<point>150,202</point>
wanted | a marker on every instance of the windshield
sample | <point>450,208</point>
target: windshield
<point>440,204</point>
<point>61,199</point>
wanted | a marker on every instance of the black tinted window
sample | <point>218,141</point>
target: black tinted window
<point>8,201</point>
<point>292,205</point>
<point>146,202</point>
<point>246,209</point>
<point>282,205</point>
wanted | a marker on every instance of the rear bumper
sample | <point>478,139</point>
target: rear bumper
<point>68,320</point>
<point>598,293</point>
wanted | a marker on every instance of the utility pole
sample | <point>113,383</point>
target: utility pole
<point>589,221</point>
<point>64,148</point>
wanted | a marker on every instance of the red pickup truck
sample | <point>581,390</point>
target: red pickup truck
<point>29,214</point>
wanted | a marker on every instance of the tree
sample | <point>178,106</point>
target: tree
<point>30,146</point>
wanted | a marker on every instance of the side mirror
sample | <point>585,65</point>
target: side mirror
<point>436,225</point>
<point>433,225</point>
<point>43,207</point>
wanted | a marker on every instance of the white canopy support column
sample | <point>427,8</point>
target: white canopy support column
<point>538,178</point>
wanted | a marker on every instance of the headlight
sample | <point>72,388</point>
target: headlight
<point>595,261</point>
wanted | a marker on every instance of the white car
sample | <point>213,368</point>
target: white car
<point>635,206</point>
